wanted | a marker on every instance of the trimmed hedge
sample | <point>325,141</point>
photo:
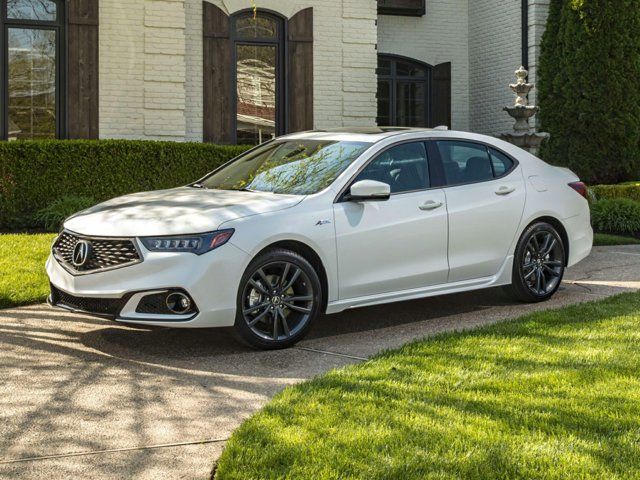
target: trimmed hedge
<point>618,216</point>
<point>624,190</point>
<point>34,174</point>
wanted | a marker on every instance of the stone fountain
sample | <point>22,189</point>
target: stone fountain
<point>523,135</point>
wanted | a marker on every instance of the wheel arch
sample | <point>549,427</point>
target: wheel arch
<point>557,224</point>
<point>311,256</point>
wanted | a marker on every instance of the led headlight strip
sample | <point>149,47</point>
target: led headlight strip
<point>197,244</point>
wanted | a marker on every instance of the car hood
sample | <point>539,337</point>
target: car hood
<point>174,212</point>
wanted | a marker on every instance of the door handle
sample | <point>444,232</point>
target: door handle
<point>505,190</point>
<point>431,205</point>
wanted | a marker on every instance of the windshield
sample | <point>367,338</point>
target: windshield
<point>294,167</point>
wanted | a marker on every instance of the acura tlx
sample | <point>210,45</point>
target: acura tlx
<point>324,221</point>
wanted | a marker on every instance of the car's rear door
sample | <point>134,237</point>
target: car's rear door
<point>394,245</point>
<point>485,195</point>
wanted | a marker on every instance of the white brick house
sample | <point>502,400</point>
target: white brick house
<point>142,69</point>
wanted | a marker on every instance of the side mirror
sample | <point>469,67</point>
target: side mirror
<point>369,190</point>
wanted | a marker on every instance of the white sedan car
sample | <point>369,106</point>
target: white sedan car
<point>321,222</point>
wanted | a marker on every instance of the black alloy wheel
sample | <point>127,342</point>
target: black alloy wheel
<point>279,297</point>
<point>539,264</point>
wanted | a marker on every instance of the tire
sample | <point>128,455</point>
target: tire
<point>539,264</point>
<point>279,298</point>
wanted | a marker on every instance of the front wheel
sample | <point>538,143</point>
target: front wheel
<point>539,264</point>
<point>278,300</point>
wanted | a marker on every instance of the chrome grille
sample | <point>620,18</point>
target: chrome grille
<point>105,253</point>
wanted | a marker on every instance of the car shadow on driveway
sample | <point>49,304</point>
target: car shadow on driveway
<point>177,348</point>
<point>360,332</point>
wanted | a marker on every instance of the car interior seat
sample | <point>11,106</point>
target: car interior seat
<point>477,170</point>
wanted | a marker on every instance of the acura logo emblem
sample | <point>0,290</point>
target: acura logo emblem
<point>81,253</point>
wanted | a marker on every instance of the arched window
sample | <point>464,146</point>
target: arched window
<point>258,74</point>
<point>412,93</point>
<point>258,50</point>
<point>31,50</point>
<point>404,92</point>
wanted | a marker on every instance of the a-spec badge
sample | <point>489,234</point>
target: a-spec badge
<point>323,222</point>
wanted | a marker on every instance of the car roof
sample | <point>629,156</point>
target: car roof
<point>366,134</point>
<point>375,135</point>
<point>355,134</point>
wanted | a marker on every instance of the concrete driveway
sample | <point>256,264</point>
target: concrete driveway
<point>86,398</point>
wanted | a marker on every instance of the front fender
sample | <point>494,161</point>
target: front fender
<point>315,230</point>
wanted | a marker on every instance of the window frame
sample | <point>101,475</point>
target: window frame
<point>395,80</point>
<point>59,26</point>
<point>439,167</point>
<point>343,194</point>
<point>280,44</point>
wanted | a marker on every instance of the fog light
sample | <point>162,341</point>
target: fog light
<point>178,303</point>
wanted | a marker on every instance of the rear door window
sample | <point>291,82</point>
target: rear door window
<point>465,162</point>
<point>501,163</point>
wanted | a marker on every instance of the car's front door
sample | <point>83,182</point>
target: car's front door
<point>394,245</point>
<point>485,199</point>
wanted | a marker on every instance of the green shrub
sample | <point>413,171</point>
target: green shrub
<point>52,217</point>
<point>588,95</point>
<point>34,175</point>
<point>626,190</point>
<point>618,216</point>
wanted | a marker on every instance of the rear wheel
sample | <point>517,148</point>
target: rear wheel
<point>539,264</point>
<point>278,300</point>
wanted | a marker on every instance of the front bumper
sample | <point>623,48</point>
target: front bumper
<point>211,280</point>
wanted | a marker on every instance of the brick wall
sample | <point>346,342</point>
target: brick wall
<point>142,69</point>
<point>495,52</point>
<point>122,69</point>
<point>442,35</point>
<point>193,61</point>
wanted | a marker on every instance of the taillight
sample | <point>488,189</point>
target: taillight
<point>581,188</point>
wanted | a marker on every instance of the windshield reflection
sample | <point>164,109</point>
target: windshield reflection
<point>300,167</point>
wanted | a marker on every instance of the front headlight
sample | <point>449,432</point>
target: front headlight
<point>198,244</point>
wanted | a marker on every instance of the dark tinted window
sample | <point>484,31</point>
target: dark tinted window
<point>465,162</point>
<point>403,167</point>
<point>501,163</point>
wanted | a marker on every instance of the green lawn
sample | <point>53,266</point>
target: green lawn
<point>553,395</point>
<point>22,276</point>
<point>602,240</point>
